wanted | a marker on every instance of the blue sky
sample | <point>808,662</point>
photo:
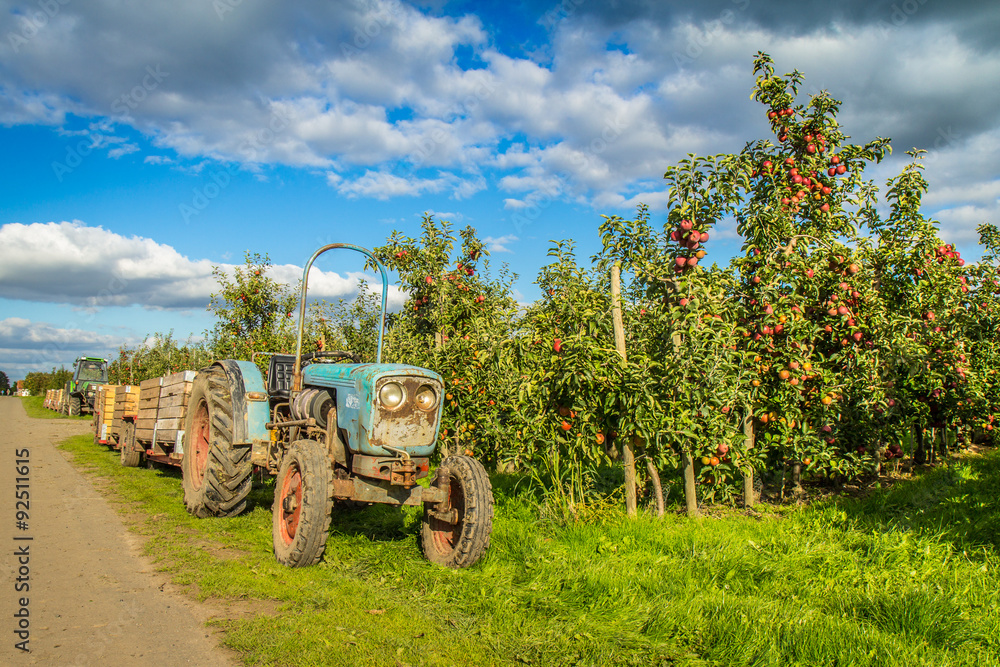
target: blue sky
<point>144,143</point>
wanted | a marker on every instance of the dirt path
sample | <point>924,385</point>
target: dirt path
<point>93,598</point>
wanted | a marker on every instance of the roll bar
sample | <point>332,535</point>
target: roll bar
<point>297,372</point>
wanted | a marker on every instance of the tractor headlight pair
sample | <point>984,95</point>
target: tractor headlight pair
<point>392,395</point>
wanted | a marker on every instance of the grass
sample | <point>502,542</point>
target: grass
<point>906,576</point>
<point>35,407</point>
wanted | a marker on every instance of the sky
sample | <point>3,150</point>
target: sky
<point>145,143</point>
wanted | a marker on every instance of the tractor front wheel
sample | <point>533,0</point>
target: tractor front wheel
<point>130,456</point>
<point>74,406</point>
<point>303,500</point>
<point>217,474</point>
<point>456,533</point>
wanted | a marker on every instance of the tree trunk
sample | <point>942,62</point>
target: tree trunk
<point>797,490</point>
<point>654,476</point>
<point>919,452</point>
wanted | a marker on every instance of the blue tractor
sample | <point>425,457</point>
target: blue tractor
<point>336,432</point>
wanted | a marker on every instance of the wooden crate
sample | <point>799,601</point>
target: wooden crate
<point>175,390</point>
<point>149,399</point>
<point>162,407</point>
<point>104,405</point>
<point>126,401</point>
<point>126,404</point>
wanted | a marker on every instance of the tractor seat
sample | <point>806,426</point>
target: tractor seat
<point>279,375</point>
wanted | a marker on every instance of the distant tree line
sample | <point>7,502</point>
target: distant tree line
<point>38,382</point>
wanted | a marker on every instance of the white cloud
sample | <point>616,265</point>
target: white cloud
<point>27,346</point>
<point>500,243</point>
<point>70,262</point>
<point>358,89</point>
<point>384,185</point>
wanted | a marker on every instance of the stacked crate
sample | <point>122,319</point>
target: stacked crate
<point>104,403</point>
<point>58,400</point>
<point>174,395</point>
<point>149,400</point>
<point>126,407</point>
<point>48,399</point>
<point>162,409</point>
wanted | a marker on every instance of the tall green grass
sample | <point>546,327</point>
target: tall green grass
<point>905,577</point>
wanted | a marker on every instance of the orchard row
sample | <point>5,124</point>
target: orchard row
<point>840,338</point>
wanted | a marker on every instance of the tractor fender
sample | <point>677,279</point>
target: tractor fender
<point>251,410</point>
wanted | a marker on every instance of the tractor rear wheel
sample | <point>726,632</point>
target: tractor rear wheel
<point>469,504</point>
<point>130,456</point>
<point>217,474</point>
<point>303,500</point>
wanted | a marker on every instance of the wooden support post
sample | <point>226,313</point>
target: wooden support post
<point>749,496</point>
<point>628,457</point>
<point>690,492</point>
<point>687,460</point>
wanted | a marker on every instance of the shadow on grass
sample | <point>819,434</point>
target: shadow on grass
<point>957,501</point>
<point>390,523</point>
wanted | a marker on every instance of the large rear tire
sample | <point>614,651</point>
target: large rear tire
<point>217,474</point>
<point>459,544</point>
<point>303,500</point>
<point>131,458</point>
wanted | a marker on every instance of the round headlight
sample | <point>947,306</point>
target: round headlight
<point>390,395</point>
<point>426,398</point>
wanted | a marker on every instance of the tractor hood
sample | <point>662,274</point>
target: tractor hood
<point>370,424</point>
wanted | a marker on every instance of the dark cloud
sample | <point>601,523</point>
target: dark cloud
<point>976,19</point>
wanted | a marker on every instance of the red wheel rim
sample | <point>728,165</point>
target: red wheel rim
<point>202,443</point>
<point>446,534</point>
<point>290,506</point>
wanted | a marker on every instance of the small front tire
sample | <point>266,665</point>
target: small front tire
<point>75,406</point>
<point>303,500</point>
<point>459,544</point>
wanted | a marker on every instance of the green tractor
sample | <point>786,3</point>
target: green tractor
<point>80,391</point>
<point>338,433</point>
